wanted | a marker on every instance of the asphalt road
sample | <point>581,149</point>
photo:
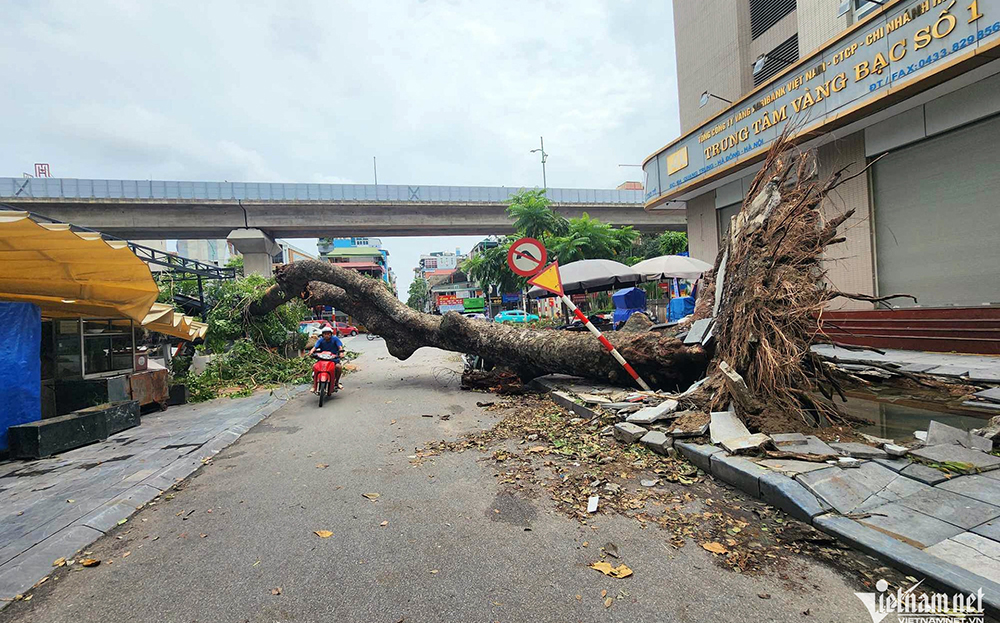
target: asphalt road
<point>243,527</point>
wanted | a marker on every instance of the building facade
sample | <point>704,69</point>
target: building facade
<point>906,88</point>
<point>365,255</point>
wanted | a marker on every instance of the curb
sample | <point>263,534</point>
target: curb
<point>790,496</point>
<point>22,572</point>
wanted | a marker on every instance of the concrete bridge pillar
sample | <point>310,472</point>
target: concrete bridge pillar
<point>258,250</point>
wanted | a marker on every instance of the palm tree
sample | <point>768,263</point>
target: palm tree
<point>533,216</point>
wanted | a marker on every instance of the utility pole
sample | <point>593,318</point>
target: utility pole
<point>545,156</point>
<point>375,167</point>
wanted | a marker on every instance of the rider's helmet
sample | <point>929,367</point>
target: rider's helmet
<point>326,330</point>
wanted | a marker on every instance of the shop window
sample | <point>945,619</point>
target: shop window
<point>767,13</point>
<point>68,362</point>
<point>108,347</point>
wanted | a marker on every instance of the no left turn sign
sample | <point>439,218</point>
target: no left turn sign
<point>526,257</point>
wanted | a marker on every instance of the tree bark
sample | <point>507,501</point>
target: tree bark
<point>662,361</point>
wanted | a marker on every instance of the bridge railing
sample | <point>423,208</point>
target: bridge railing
<point>86,189</point>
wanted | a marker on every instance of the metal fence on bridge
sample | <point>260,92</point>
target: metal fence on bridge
<point>145,190</point>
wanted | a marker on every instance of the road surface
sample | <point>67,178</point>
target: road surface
<point>453,547</point>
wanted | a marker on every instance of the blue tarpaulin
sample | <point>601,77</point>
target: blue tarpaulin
<point>680,307</point>
<point>627,302</point>
<point>20,366</point>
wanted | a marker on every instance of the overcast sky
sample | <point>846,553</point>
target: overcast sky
<point>442,92</point>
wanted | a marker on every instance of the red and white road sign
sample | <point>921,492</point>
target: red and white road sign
<point>526,257</point>
<point>604,342</point>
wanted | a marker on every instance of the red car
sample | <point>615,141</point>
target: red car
<point>342,329</point>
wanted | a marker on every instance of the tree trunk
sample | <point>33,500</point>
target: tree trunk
<point>660,360</point>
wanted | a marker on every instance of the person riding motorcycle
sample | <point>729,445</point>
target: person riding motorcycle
<point>331,344</point>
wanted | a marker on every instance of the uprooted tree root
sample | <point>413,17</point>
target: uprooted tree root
<point>768,312</point>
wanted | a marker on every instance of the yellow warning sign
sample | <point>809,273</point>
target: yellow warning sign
<point>549,279</point>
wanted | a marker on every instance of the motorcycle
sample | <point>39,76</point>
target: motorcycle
<point>325,375</point>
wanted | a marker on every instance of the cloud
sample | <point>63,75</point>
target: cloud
<point>441,91</point>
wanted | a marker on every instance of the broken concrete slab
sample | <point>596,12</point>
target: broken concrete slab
<point>791,467</point>
<point>918,367</point>
<point>899,488</point>
<point>859,450</point>
<point>979,375</point>
<point>657,441</point>
<point>990,530</point>
<point>594,399</point>
<point>916,529</point>
<point>726,425</point>
<point>938,433</point>
<point>875,441</point>
<point>697,331</point>
<point>790,496</point>
<point>972,552</point>
<point>920,435</point>
<point>739,472</point>
<point>648,415</point>
<point>992,394</point>
<point>628,433</point>
<point>952,508</point>
<point>924,474</point>
<point>956,454</point>
<point>895,451</point>
<point>836,488</point>
<point>790,439</point>
<point>848,461</point>
<point>813,446</point>
<point>690,432</point>
<point>745,444</point>
<point>949,371</point>
<point>895,464</point>
<point>978,488</point>
<point>698,454</point>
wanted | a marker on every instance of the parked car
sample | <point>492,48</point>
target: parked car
<point>342,329</point>
<point>476,315</point>
<point>313,327</point>
<point>515,315</point>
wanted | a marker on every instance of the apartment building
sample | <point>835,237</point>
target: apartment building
<point>911,83</point>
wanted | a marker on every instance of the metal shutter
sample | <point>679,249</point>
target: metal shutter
<point>767,13</point>
<point>937,218</point>
<point>777,59</point>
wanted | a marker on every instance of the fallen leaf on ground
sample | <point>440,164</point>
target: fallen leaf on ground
<point>608,602</point>
<point>579,597</point>
<point>70,501</point>
<point>370,496</point>
<point>715,547</point>
<point>59,562</point>
<point>384,524</point>
<point>764,595</point>
<point>90,562</point>
<point>586,543</point>
<point>621,571</point>
<point>276,591</point>
<point>604,593</point>
<point>126,554</point>
<point>322,465</point>
<point>610,549</point>
<point>536,450</point>
<point>434,570</point>
<point>323,534</point>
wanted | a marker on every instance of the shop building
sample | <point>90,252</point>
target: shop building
<point>907,88</point>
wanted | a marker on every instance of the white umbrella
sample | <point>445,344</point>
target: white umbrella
<point>591,276</point>
<point>671,266</point>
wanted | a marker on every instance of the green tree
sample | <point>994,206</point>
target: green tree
<point>533,216</point>
<point>490,269</point>
<point>672,242</point>
<point>419,295</point>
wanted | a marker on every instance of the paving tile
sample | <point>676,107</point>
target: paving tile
<point>976,487</point>
<point>926,475</point>
<point>906,525</point>
<point>790,496</point>
<point>739,472</point>
<point>938,433</point>
<point>972,552</point>
<point>954,453</point>
<point>792,467</point>
<point>19,574</point>
<point>990,529</point>
<point>992,394</point>
<point>899,488</point>
<point>726,425</point>
<point>896,465</point>
<point>648,415</point>
<point>951,507</point>
<point>859,450</point>
<point>918,367</point>
<point>836,487</point>
<point>953,371</point>
<point>789,439</point>
<point>981,375</point>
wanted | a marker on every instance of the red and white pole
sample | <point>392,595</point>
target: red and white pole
<point>608,345</point>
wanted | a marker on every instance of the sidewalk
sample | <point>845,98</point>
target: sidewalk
<point>50,508</point>
<point>977,368</point>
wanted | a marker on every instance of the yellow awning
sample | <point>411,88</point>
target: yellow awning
<point>163,319</point>
<point>71,274</point>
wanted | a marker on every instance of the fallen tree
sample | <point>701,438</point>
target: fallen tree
<point>663,361</point>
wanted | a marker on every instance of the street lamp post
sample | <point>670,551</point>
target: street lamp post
<point>545,156</point>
